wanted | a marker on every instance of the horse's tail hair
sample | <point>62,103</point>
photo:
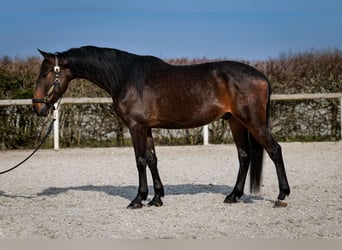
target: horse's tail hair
<point>257,154</point>
<point>256,157</point>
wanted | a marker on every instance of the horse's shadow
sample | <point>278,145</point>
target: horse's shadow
<point>129,192</point>
<point>3,194</point>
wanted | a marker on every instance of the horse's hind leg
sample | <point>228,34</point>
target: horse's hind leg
<point>255,122</point>
<point>265,138</point>
<point>240,135</point>
<point>152,164</point>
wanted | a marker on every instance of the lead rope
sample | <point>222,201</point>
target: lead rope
<point>39,145</point>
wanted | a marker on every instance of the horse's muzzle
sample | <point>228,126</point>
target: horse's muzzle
<point>41,109</point>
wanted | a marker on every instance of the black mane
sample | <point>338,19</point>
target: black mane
<point>113,68</point>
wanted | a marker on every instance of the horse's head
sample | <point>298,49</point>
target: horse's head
<point>53,81</point>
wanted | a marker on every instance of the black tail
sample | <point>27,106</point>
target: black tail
<point>257,154</point>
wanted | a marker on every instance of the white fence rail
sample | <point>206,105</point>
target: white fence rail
<point>276,97</point>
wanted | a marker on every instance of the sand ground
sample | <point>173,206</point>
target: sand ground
<point>83,193</point>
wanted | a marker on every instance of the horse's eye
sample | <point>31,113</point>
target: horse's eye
<point>45,74</point>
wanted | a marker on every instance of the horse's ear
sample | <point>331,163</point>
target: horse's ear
<point>46,55</point>
<point>52,57</point>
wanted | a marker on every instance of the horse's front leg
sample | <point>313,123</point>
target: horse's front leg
<point>139,136</point>
<point>152,164</point>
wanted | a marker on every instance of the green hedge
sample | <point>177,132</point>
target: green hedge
<point>96,125</point>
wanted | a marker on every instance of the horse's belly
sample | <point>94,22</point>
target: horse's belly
<point>183,121</point>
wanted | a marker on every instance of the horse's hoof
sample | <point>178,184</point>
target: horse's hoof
<point>135,205</point>
<point>155,202</point>
<point>230,200</point>
<point>280,203</point>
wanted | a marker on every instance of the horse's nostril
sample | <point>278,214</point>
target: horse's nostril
<point>41,110</point>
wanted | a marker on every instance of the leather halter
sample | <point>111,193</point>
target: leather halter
<point>56,83</point>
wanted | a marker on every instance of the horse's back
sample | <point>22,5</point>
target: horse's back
<point>194,95</point>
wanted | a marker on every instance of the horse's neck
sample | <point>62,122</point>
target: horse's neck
<point>97,82</point>
<point>96,76</point>
<point>110,72</point>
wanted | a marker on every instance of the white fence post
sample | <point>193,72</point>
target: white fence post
<point>341,118</point>
<point>56,128</point>
<point>206,135</point>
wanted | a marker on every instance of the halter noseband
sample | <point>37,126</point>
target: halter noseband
<point>56,83</point>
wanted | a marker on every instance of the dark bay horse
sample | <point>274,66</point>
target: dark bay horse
<point>150,93</point>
